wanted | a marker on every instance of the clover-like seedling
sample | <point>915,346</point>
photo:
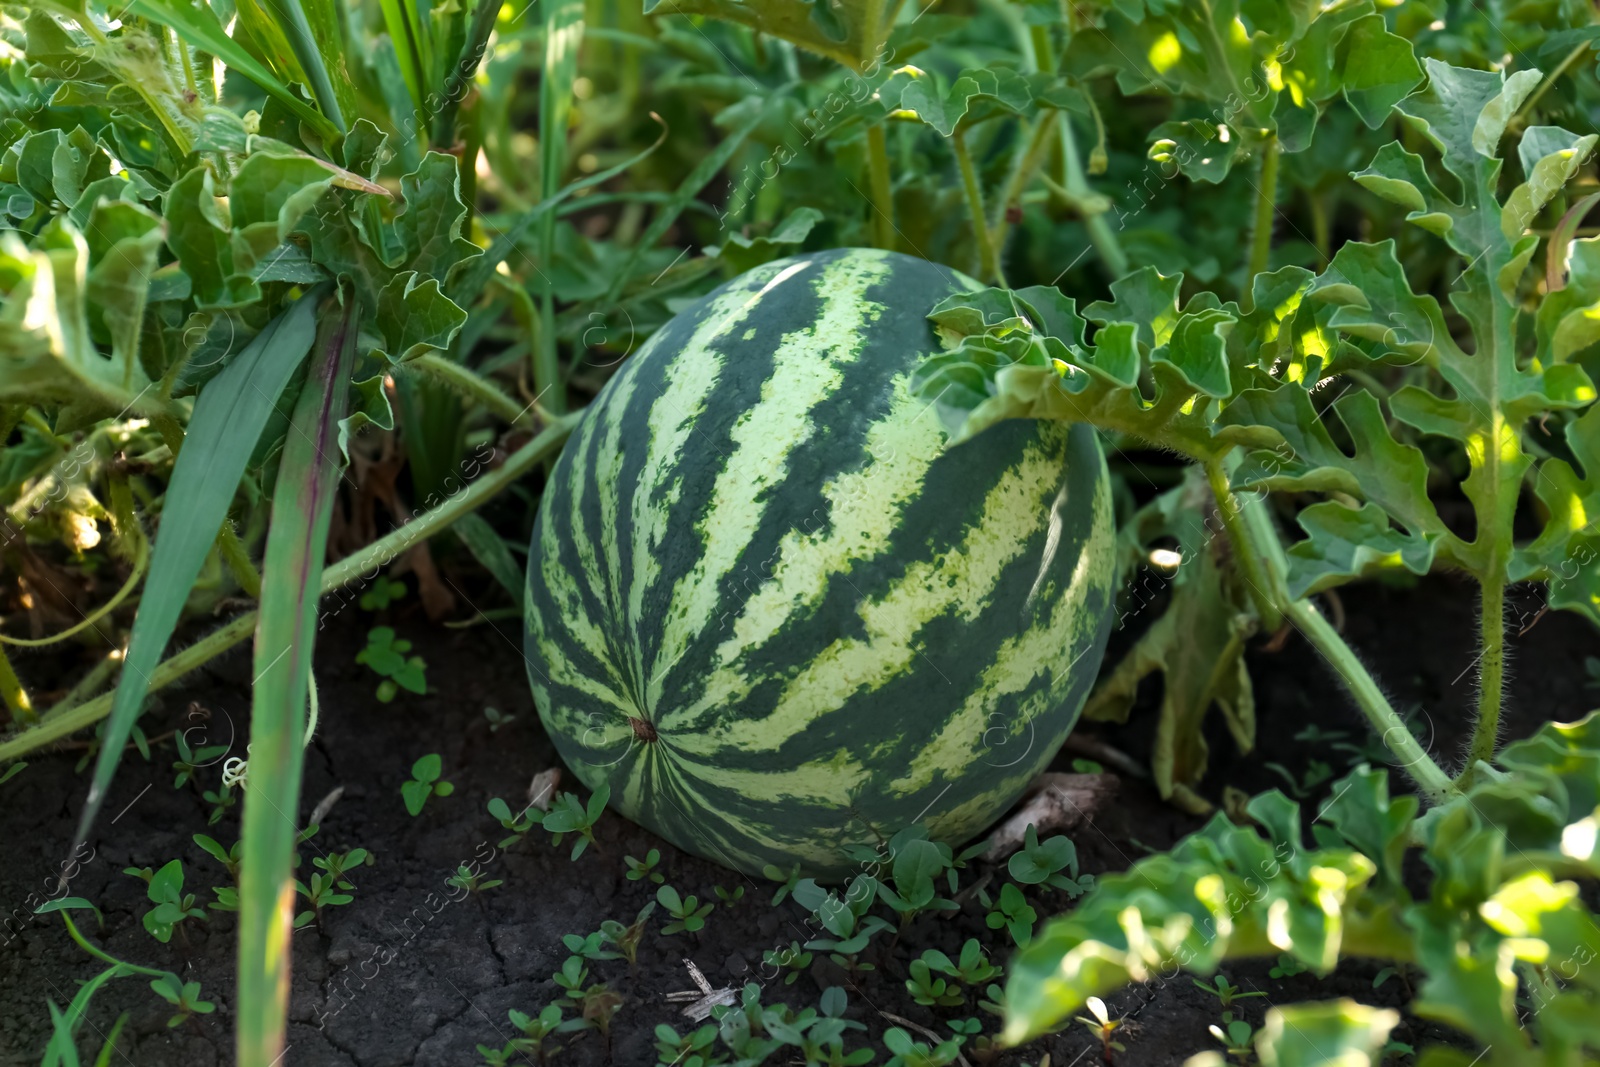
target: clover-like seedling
<point>645,868</point>
<point>321,893</point>
<point>339,864</point>
<point>384,591</point>
<point>1237,1037</point>
<point>1287,967</point>
<point>518,824</point>
<point>172,905</point>
<point>386,655</point>
<point>1053,862</point>
<point>929,991</point>
<point>569,815</point>
<point>1013,913</point>
<point>191,760</point>
<point>424,783</point>
<point>845,918</point>
<point>184,996</point>
<point>1100,1023</point>
<point>1225,991</point>
<point>472,881</point>
<point>793,959</point>
<point>571,977</point>
<point>694,1047</point>
<point>688,914</point>
<point>729,897</point>
<point>994,1000</point>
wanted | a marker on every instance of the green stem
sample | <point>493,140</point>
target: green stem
<point>988,261</point>
<point>883,229</point>
<point>101,954</point>
<point>1321,235</point>
<point>238,560</point>
<point>368,561</point>
<point>469,384</point>
<point>1549,80</point>
<point>1434,783</point>
<point>1491,667</point>
<point>15,693</point>
<point>1266,213</point>
<point>1254,553</point>
<point>1101,235</point>
<point>1027,165</point>
<point>88,684</point>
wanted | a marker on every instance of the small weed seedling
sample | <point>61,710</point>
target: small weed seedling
<point>1237,1037</point>
<point>1103,1027</point>
<point>1225,991</point>
<point>982,1048</point>
<point>1043,864</point>
<point>1317,773</point>
<point>424,783</point>
<point>973,968</point>
<point>909,1052</point>
<point>729,897</point>
<point>915,865</point>
<point>338,864</point>
<point>384,591</point>
<point>386,655</point>
<point>229,858</point>
<point>569,815</point>
<point>1286,967</point>
<point>929,991</point>
<point>518,824</point>
<point>693,1050</point>
<point>592,947</point>
<point>571,977</point>
<point>221,799</point>
<point>1012,912</point>
<point>846,919</point>
<point>472,881</point>
<point>535,1029</point>
<point>688,914</point>
<point>321,893</point>
<point>172,905</point>
<point>793,959</point>
<point>786,881</point>
<point>184,996</point>
<point>638,870</point>
<point>497,719</point>
<point>628,938</point>
<point>191,760</point>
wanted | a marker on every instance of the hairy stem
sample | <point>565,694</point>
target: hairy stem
<point>363,564</point>
<point>1415,761</point>
<point>1028,163</point>
<point>1266,212</point>
<point>1491,667</point>
<point>469,384</point>
<point>883,229</point>
<point>14,693</point>
<point>1254,554</point>
<point>988,261</point>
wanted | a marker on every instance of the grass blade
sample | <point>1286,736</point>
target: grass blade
<point>228,418</point>
<point>563,40</point>
<point>476,272</point>
<point>689,189</point>
<point>316,51</point>
<point>195,23</point>
<point>286,630</point>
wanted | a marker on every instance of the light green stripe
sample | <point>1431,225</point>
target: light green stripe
<point>961,581</point>
<point>696,369</point>
<point>808,367</point>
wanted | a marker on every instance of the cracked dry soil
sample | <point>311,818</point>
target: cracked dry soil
<point>412,972</point>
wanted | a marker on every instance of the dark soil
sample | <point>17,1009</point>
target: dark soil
<point>412,972</point>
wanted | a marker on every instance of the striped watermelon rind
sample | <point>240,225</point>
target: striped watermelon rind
<point>776,614</point>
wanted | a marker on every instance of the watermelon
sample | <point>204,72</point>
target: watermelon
<point>775,614</point>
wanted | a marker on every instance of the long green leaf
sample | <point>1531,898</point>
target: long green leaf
<point>286,631</point>
<point>195,23</point>
<point>317,49</point>
<point>228,418</point>
<point>563,39</point>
